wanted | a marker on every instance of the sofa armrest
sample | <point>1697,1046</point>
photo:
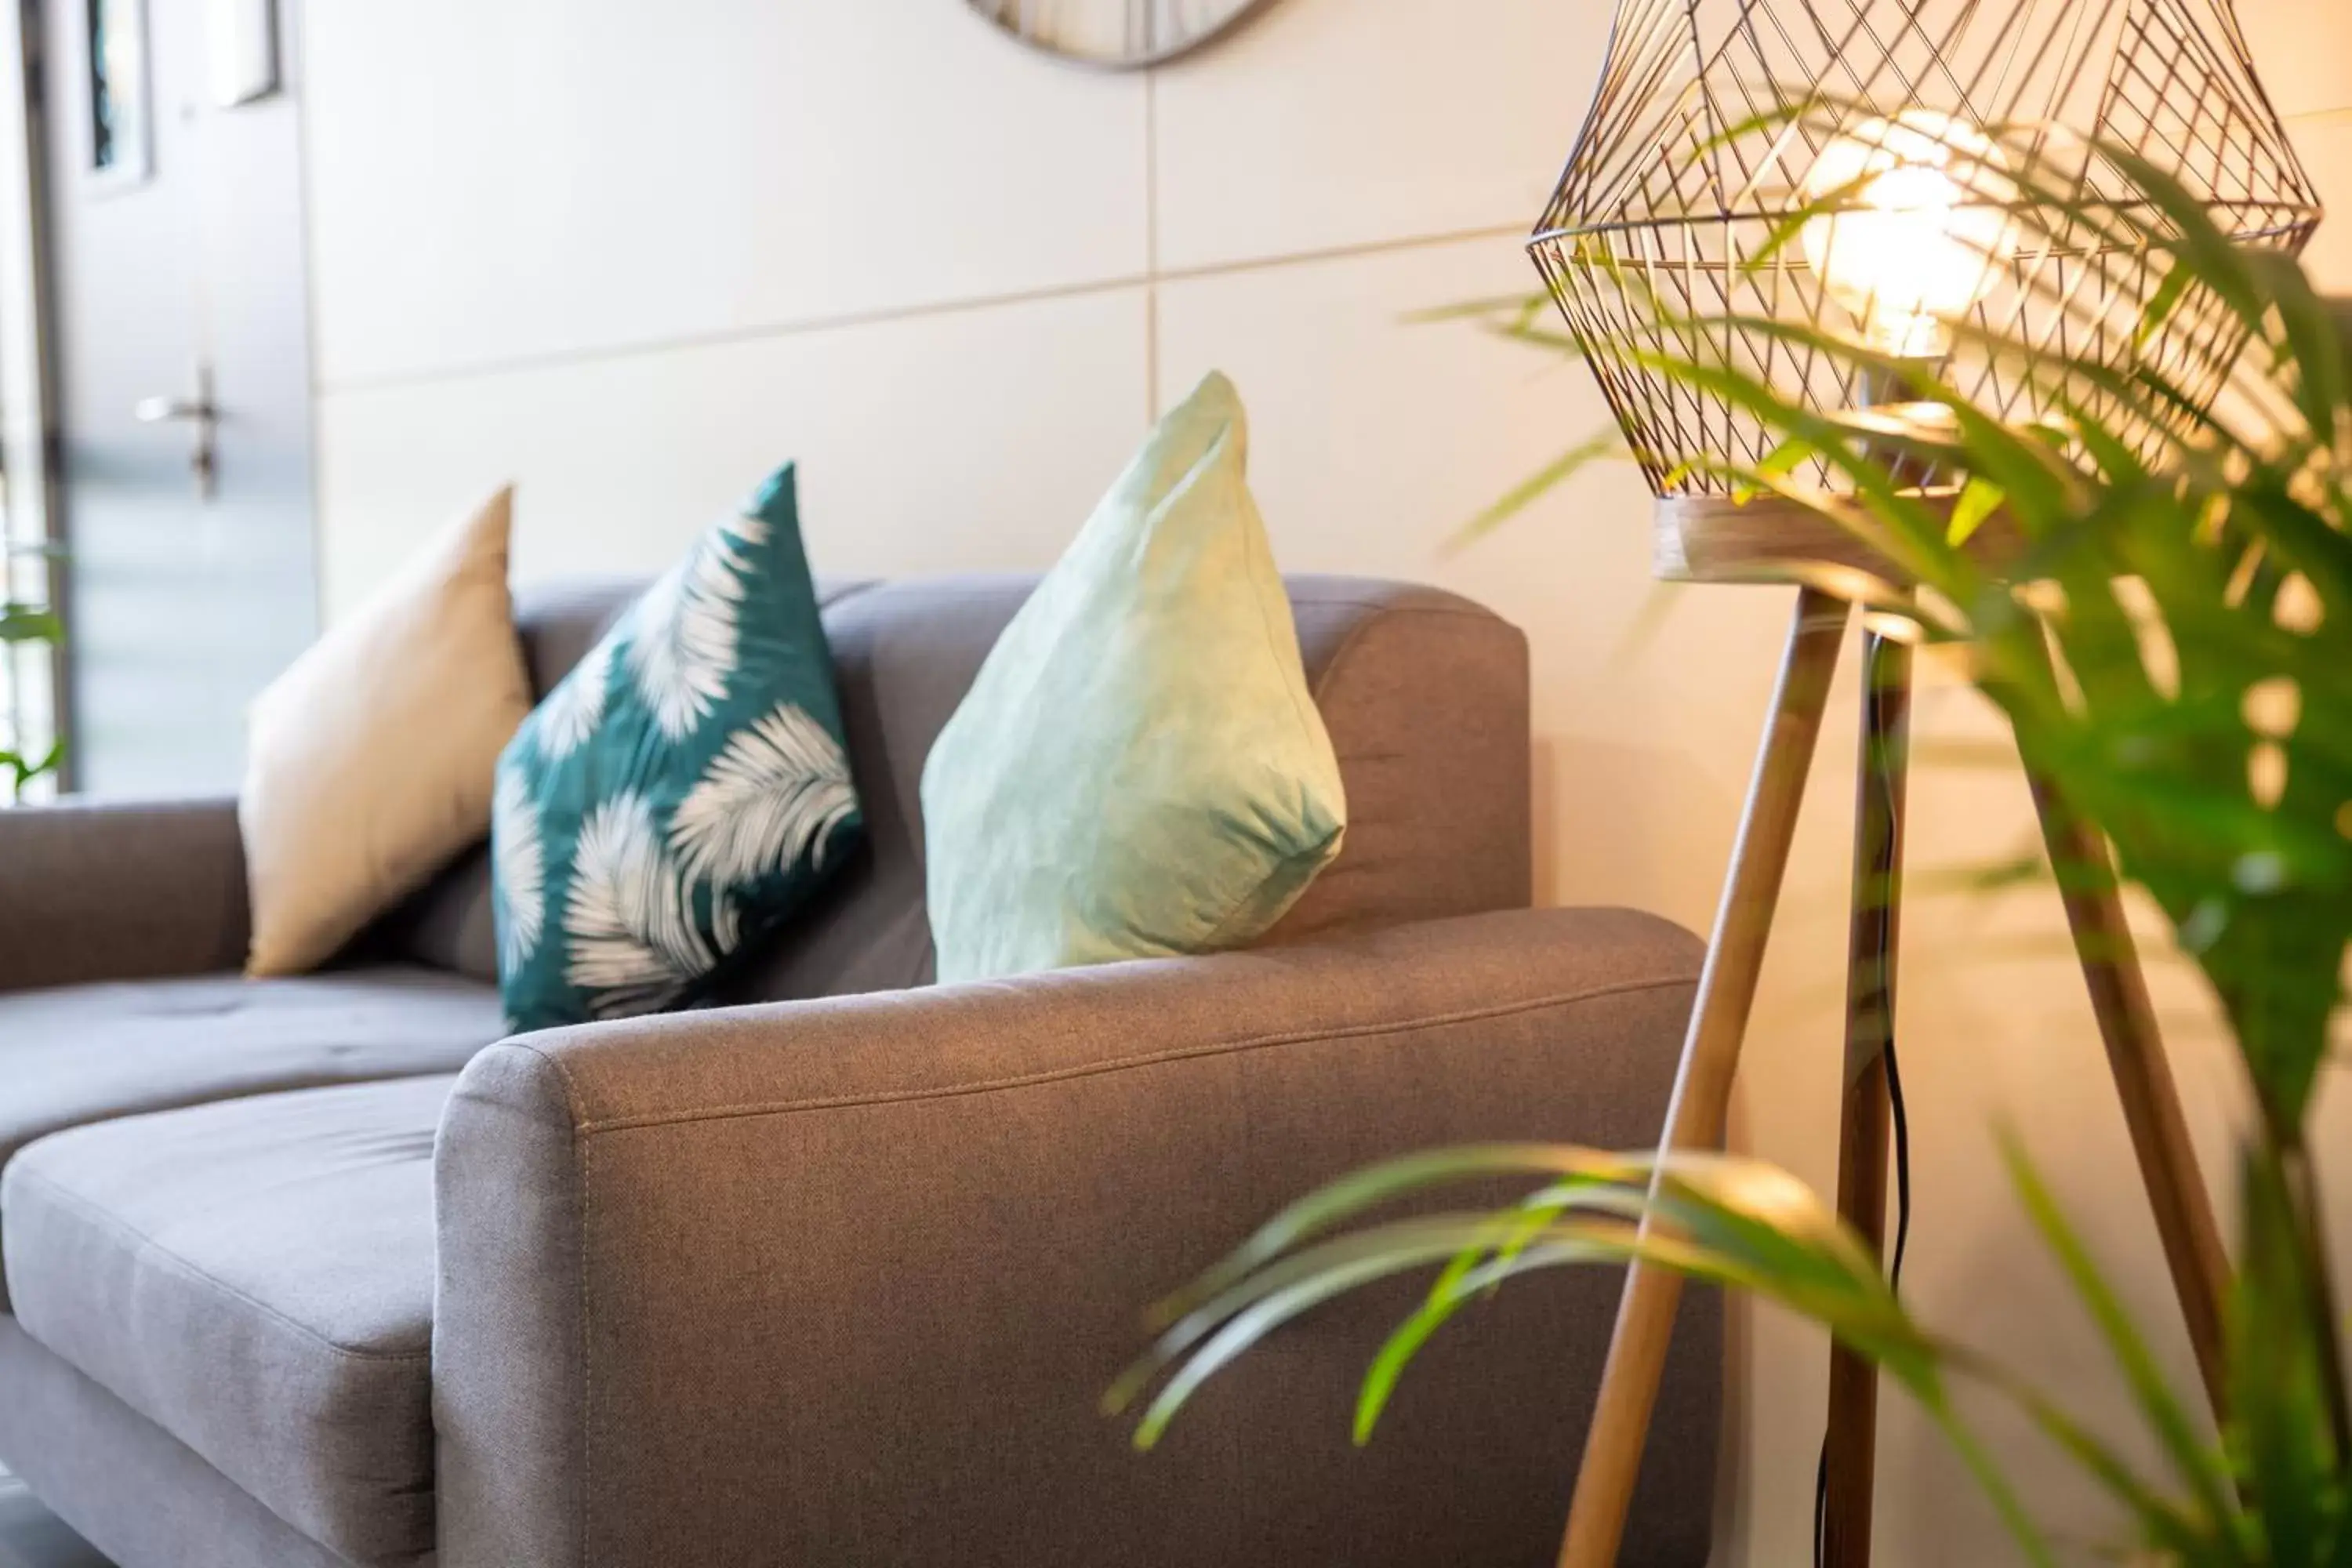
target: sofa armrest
<point>94,889</point>
<point>843,1281</point>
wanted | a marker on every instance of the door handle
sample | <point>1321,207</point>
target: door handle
<point>159,410</point>
<point>198,410</point>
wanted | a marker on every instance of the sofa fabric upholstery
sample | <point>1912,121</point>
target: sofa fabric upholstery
<point>843,1281</point>
<point>1424,694</point>
<point>120,890</point>
<point>826,1282</point>
<point>255,1278</point>
<point>84,1053</point>
<point>125,1485</point>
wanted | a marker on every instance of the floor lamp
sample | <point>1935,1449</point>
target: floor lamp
<point>1869,128</point>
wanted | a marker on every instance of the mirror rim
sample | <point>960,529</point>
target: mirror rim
<point>1243,13</point>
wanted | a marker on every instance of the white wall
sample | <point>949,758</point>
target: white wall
<point>633,256</point>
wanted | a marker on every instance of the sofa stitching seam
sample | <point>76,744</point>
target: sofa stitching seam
<point>1148,1059</point>
<point>587,1338</point>
<point>91,1210</point>
<point>580,1253</point>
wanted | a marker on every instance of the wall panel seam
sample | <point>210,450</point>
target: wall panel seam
<point>1151,246</point>
<point>1146,281</point>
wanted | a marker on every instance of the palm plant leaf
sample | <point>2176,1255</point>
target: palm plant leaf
<point>2200,1466</point>
<point>29,624</point>
<point>1733,1221</point>
<point>2172,643</point>
<point>24,767</point>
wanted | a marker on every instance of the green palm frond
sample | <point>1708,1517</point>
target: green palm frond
<point>2170,632</point>
<point>29,624</point>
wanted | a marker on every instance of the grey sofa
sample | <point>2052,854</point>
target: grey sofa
<point>324,1272</point>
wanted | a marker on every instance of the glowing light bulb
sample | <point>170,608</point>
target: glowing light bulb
<point>1920,229</point>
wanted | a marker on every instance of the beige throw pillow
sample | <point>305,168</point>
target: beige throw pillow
<point>369,763</point>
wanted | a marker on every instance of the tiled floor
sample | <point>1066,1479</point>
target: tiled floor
<point>30,1537</point>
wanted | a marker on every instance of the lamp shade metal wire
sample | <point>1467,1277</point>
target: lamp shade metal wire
<point>1924,178</point>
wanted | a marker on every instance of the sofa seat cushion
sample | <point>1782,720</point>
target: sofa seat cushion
<point>256,1278</point>
<point>80,1054</point>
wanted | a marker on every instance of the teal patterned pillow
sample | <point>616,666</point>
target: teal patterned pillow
<point>681,792</point>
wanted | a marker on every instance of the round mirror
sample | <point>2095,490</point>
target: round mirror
<point>1119,34</point>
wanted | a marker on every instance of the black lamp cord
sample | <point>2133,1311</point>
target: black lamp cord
<point>1902,1219</point>
<point>1894,1275</point>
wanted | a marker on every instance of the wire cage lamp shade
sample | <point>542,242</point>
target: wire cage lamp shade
<point>1903,139</point>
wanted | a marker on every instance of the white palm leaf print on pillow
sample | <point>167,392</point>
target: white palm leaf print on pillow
<point>780,787</point>
<point>576,706</point>
<point>683,647</point>
<point>630,937</point>
<point>519,872</point>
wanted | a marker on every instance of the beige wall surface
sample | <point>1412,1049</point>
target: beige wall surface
<point>632,256</point>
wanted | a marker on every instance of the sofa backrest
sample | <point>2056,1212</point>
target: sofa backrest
<point>1424,693</point>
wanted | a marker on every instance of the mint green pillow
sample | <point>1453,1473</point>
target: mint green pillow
<point>681,792</point>
<point>1140,769</point>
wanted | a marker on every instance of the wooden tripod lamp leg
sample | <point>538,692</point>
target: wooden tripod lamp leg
<point>1726,990</point>
<point>2159,1133</point>
<point>1851,1457</point>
